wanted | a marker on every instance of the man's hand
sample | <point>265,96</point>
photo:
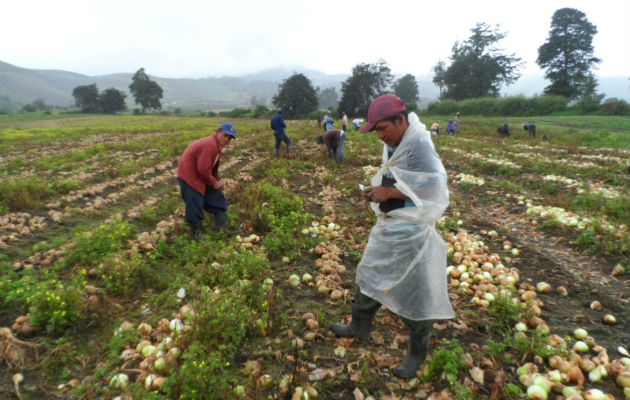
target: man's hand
<point>218,185</point>
<point>377,194</point>
<point>380,194</point>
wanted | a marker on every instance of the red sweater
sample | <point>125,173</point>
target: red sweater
<point>199,165</point>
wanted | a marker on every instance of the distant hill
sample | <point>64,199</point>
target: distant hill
<point>19,86</point>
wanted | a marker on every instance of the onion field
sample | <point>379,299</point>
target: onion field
<point>104,296</point>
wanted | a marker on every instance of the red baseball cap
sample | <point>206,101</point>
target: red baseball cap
<point>383,107</point>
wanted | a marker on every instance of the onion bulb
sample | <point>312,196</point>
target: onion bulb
<point>609,319</point>
<point>580,333</point>
<point>594,394</point>
<point>580,347</point>
<point>536,392</point>
<point>119,381</point>
<point>294,280</point>
<point>623,379</point>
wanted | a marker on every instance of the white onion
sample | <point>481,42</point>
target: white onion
<point>294,280</point>
<point>536,392</point>
<point>119,381</point>
<point>580,347</point>
<point>148,350</point>
<point>580,333</point>
<point>594,394</point>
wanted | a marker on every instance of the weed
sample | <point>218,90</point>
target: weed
<point>447,362</point>
<point>505,312</point>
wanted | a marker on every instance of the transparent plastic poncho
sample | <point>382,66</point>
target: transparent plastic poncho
<point>404,263</point>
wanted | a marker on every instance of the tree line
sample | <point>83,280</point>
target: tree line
<point>145,91</point>
<point>478,69</point>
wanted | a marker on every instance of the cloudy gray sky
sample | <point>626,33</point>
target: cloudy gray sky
<point>196,38</point>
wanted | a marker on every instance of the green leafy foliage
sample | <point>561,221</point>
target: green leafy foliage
<point>567,55</point>
<point>296,96</point>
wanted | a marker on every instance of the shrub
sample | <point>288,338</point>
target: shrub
<point>22,194</point>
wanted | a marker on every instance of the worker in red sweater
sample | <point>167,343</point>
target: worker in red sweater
<point>200,182</point>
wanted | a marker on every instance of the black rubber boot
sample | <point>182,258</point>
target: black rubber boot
<point>418,349</point>
<point>195,230</point>
<point>360,327</point>
<point>220,221</point>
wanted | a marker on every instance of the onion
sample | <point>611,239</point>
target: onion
<point>307,277</point>
<point>294,280</point>
<point>623,351</point>
<point>595,375</point>
<point>520,327</point>
<point>596,305</point>
<point>527,368</point>
<point>543,287</point>
<point>594,394</point>
<point>536,392</point>
<point>286,260</point>
<point>176,325</point>
<point>576,375</point>
<point>148,350</point>
<point>609,319</point>
<point>554,376</point>
<point>580,347</point>
<point>623,379</point>
<point>542,382</point>
<point>119,381</point>
<point>580,333</point>
<point>160,364</point>
<point>570,391</point>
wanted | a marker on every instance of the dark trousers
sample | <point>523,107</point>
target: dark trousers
<point>369,305</point>
<point>213,201</point>
<point>282,137</point>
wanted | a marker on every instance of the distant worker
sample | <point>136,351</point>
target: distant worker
<point>334,140</point>
<point>458,123</point>
<point>278,125</point>
<point>504,130</point>
<point>435,128</point>
<point>530,127</point>
<point>200,182</point>
<point>450,127</point>
<point>319,120</point>
<point>344,122</point>
<point>328,121</point>
<point>356,123</point>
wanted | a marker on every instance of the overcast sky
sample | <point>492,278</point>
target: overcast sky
<point>203,38</point>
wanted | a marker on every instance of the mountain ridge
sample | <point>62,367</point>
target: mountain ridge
<point>19,86</point>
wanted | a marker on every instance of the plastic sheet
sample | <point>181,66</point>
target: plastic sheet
<point>404,264</point>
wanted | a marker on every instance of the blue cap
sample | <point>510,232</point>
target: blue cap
<point>228,129</point>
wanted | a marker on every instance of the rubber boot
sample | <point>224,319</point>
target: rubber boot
<point>360,327</point>
<point>220,221</point>
<point>195,230</point>
<point>418,349</point>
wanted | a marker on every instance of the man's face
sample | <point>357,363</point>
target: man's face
<point>391,133</point>
<point>224,139</point>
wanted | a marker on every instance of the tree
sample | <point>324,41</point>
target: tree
<point>86,97</point>
<point>296,96</point>
<point>478,68</point>
<point>367,82</point>
<point>567,55</point>
<point>407,89</point>
<point>112,100</point>
<point>439,74</point>
<point>328,98</point>
<point>145,92</point>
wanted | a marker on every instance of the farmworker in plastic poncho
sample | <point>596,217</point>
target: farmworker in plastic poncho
<point>200,182</point>
<point>404,264</point>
